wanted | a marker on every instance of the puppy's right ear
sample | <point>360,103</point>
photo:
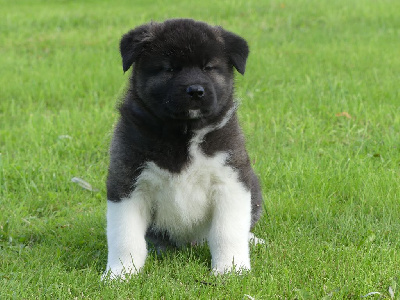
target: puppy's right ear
<point>132,45</point>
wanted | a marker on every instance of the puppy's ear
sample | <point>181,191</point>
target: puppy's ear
<point>237,50</point>
<point>132,45</point>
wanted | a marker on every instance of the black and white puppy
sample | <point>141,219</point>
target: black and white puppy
<point>179,171</point>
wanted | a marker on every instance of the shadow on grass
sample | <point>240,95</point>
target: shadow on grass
<point>80,243</point>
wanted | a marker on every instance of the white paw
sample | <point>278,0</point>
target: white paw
<point>232,268</point>
<point>118,273</point>
<point>239,265</point>
<point>255,240</point>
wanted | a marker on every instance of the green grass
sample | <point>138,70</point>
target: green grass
<point>331,184</point>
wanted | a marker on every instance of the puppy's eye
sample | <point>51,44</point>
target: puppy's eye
<point>208,68</point>
<point>175,69</point>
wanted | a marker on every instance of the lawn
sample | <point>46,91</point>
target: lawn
<point>320,107</point>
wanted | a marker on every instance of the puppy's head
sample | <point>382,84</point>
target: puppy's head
<point>183,69</point>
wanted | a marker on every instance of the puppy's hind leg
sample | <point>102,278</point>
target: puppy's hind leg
<point>158,242</point>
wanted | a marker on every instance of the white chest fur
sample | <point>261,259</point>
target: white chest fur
<point>183,203</point>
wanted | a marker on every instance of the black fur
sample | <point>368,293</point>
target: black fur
<point>155,126</point>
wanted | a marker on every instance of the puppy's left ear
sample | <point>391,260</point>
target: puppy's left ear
<point>237,50</point>
<point>133,43</point>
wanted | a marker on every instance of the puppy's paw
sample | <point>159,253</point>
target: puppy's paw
<point>255,240</point>
<point>238,266</point>
<point>236,269</point>
<point>118,273</point>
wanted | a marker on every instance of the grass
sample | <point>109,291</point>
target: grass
<point>331,181</point>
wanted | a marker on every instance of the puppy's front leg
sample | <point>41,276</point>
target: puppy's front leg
<point>127,222</point>
<point>228,236</point>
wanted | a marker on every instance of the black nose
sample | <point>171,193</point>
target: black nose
<point>195,91</point>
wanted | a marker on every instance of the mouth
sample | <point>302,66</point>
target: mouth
<point>195,114</point>
<point>191,114</point>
